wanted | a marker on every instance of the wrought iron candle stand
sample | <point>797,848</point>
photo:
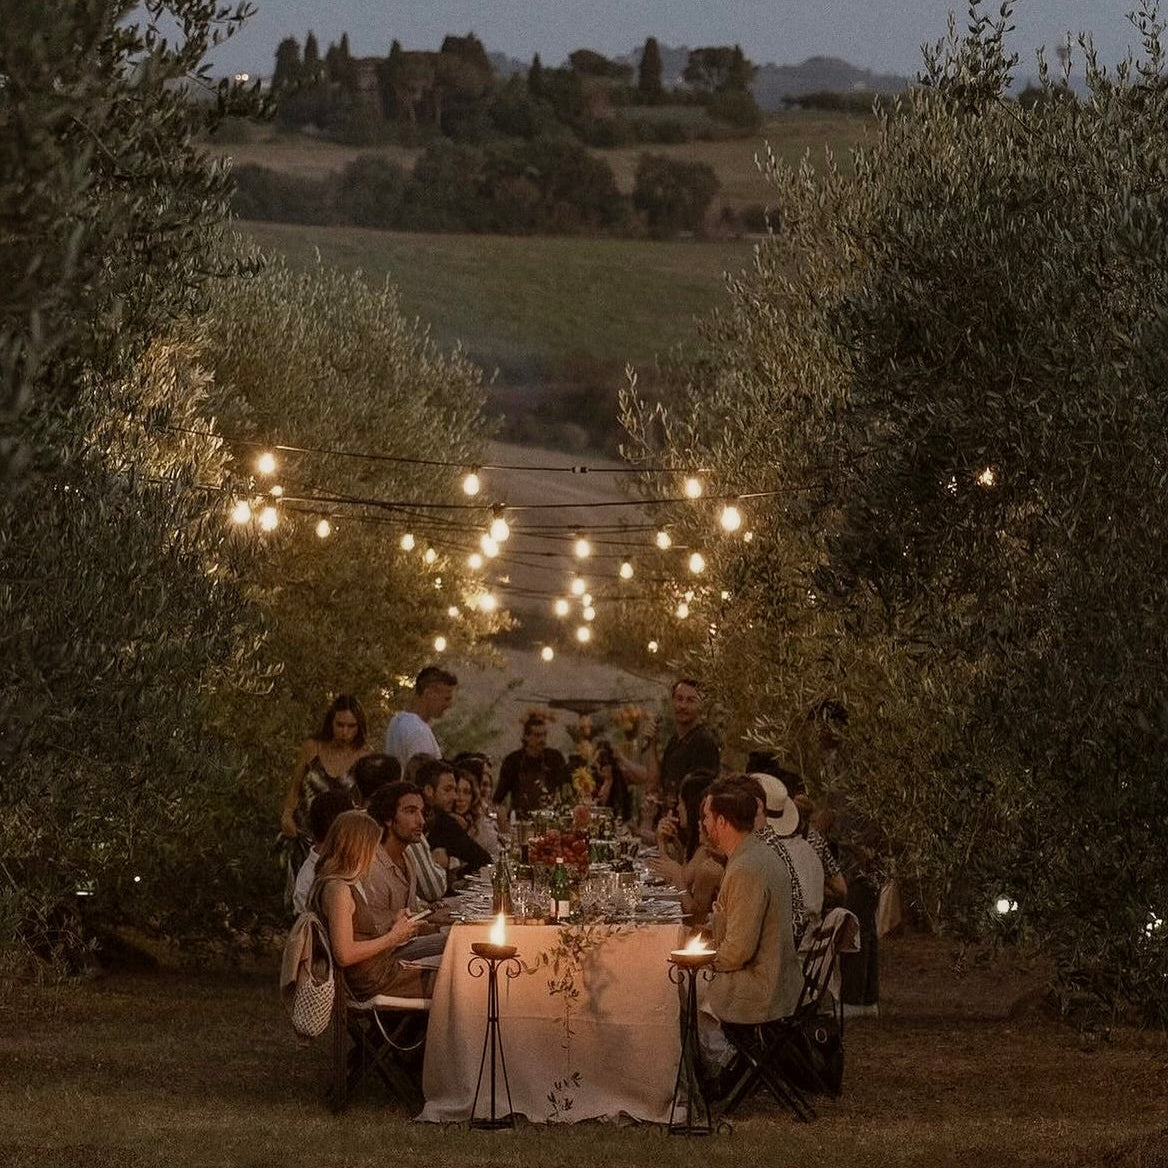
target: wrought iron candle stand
<point>486,960</point>
<point>684,970</point>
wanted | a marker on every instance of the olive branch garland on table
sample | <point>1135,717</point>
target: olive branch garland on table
<point>565,963</point>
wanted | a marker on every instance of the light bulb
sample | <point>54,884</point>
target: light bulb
<point>474,561</point>
<point>582,548</point>
<point>589,613</point>
<point>452,611</point>
<point>500,530</point>
<point>663,540</point>
<point>276,491</point>
<point>429,555</point>
<point>693,487</point>
<point>731,518</point>
<point>583,634</point>
<point>266,463</point>
<point>747,536</point>
<point>439,644</point>
<point>652,646</point>
<point>487,602</point>
<point>987,478</point>
<point>324,529</point>
<point>626,571</point>
<point>407,542</point>
<point>489,546</point>
<point>471,484</point>
<point>586,599</point>
<point>268,519</point>
<point>697,563</point>
<point>682,610</point>
<point>547,652</point>
<point>561,607</point>
<point>578,586</point>
<point>241,512</point>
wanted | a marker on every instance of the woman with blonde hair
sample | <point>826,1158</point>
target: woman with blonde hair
<point>366,956</point>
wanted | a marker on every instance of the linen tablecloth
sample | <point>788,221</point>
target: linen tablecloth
<point>623,1046</point>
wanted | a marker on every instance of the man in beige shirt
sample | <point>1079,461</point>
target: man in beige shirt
<point>758,975</point>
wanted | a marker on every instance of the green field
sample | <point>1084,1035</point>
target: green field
<point>526,304</point>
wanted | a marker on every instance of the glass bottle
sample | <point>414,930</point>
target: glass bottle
<point>560,892</point>
<point>501,888</point>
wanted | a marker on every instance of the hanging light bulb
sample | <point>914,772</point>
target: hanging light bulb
<point>586,599</point>
<point>583,634</point>
<point>547,652</point>
<point>407,543</point>
<point>589,613</point>
<point>578,586</point>
<point>439,644</point>
<point>470,483</point>
<point>266,463</point>
<point>500,530</point>
<point>561,607</point>
<point>490,547</point>
<point>582,548</point>
<point>663,540</point>
<point>324,529</point>
<point>269,518</point>
<point>697,563</point>
<point>474,561</point>
<point>626,571</point>
<point>276,491</point>
<point>731,518</point>
<point>241,512</point>
<point>452,611</point>
<point>429,556</point>
<point>652,646</point>
<point>693,487</point>
<point>487,602</point>
<point>682,610</point>
<point>747,536</point>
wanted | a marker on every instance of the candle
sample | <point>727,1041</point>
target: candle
<point>496,946</point>
<point>694,954</point>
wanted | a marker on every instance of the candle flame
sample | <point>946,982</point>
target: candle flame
<point>498,932</point>
<point>695,945</point>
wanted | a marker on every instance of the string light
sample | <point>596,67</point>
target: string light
<point>582,548</point>
<point>693,487</point>
<point>452,611</point>
<point>269,518</point>
<point>586,599</point>
<point>987,478</point>
<point>241,512</point>
<point>731,518</point>
<point>547,652</point>
<point>276,491</point>
<point>471,484</point>
<point>589,613</point>
<point>490,547</point>
<point>652,646</point>
<point>1005,905</point>
<point>747,536</point>
<point>486,602</point>
<point>663,540</point>
<point>583,634</point>
<point>439,644</point>
<point>682,610</point>
<point>578,586</point>
<point>474,561</point>
<point>626,571</point>
<point>266,463</point>
<point>697,563</point>
<point>429,555</point>
<point>500,530</point>
<point>561,607</point>
<point>407,542</point>
<point>324,529</point>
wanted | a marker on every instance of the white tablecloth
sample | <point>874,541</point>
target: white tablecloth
<point>624,1043</point>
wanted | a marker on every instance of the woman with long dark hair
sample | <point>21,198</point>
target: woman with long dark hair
<point>684,861</point>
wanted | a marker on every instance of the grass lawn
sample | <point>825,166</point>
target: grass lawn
<point>160,1069</point>
<point>525,303</point>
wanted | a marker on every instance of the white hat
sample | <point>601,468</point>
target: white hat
<point>781,812</point>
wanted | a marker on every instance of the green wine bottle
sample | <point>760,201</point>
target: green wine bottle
<point>561,892</point>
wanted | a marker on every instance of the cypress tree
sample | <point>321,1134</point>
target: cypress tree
<point>649,76</point>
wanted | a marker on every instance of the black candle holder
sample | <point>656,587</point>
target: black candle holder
<point>687,1088</point>
<point>487,960</point>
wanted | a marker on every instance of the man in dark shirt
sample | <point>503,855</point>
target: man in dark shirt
<point>693,745</point>
<point>447,838</point>
<point>531,776</point>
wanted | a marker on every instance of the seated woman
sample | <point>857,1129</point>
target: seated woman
<point>369,959</point>
<point>612,787</point>
<point>472,802</point>
<point>684,860</point>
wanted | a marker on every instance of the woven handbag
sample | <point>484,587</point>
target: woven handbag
<point>312,1002</point>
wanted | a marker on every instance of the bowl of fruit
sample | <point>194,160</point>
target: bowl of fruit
<point>553,845</point>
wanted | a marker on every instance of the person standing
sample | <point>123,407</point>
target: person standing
<point>409,732</point>
<point>693,746</point>
<point>530,775</point>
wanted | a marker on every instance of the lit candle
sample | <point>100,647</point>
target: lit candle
<point>496,947</point>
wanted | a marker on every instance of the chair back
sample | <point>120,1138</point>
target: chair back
<point>836,933</point>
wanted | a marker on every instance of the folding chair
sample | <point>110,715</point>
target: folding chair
<point>781,1055</point>
<point>388,1037</point>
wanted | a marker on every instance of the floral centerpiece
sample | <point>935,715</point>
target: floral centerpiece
<point>569,846</point>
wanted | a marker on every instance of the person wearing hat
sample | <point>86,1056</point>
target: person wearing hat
<point>782,820</point>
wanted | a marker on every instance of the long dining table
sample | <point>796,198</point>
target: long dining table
<point>605,1045</point>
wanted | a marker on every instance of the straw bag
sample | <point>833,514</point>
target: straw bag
<point>315,990</point>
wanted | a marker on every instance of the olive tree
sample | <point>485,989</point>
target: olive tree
<point>943,382</point>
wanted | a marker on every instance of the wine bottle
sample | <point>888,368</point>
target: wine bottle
<point>560,892</point>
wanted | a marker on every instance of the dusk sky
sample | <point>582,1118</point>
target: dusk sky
<point>883,35</point>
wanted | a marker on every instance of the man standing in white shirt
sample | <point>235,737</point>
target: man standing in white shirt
<point>409,730</point>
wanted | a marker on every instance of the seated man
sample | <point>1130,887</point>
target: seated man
<point>448,839</point>
<point>321,813</point>
<point>759,976</point>
<point>373,771</point>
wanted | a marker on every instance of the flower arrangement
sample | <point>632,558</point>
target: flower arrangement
<point>627,719</point>
<point>569,846</point>
<point>583,783</point>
